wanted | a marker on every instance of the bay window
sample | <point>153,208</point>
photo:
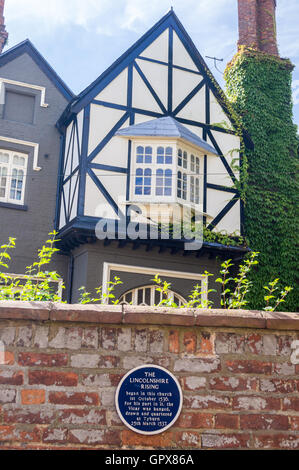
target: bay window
<point>166,172</point>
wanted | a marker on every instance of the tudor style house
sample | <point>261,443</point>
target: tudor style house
<point>153,130</point>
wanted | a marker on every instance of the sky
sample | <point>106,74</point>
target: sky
<point>81,38</point>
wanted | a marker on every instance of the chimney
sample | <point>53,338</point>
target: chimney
<point>3,32</point>
<point>257,25</point>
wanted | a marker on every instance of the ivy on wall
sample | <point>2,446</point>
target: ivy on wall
<point>259,89</point>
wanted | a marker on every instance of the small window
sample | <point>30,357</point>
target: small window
<point>12,176</point>
<point>164,155</point>
<point>197,167</point>
<point>194,190</point>
<point>144,154</point>
<point>163,182</point>
<point>143,181</point>
<point>19,107</point>
<point>185,160</point>
<point>149,296</point>
<point>182,185</point>
<point>192,165</point>
<point>180,157</point>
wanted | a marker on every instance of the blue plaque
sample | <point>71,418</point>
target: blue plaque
<point>148,399</point>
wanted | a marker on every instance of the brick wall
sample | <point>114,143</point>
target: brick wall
<point>63,363</point>
<point>257,25</point>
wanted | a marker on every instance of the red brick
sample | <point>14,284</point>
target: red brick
<point>8,377</point>
<point>276,441</point>
<point>82,417</point>
<point>294,420</point>
<point>131,439</point>
<point>249,367</point>
<point>232,384</point>
<point>94,437</point>
<point>24,416</point>
<point>269,422</point>
<point>108,362</point>
<point>290,404</point>
<point>257,25</point>
<point>34,435</point>
<point>55,436</point>
<point>226,421</point>
<point>225,441</point>
<point>173,341</point>
<point>47,360</point>
<point>7,359</point>
<point>277,385</point>
<point>206,344</point>
<point>255,403</point>
<point>284,345</point>
<point>190,342</point>
<point>207,402</point>
<point>194,383</point>
<point>188,439</point>
<point>108,338</point>
<point>115,379</point>
<point>254,343</point>
<point>33,397</point>
<point>195,420</point>
<point>44,377</point>
<point>6,433</point>
<point>73,398</point>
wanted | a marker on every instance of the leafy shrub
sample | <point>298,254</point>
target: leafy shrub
<point>38,284</point>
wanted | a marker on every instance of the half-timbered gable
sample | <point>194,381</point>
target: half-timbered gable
<point>162,75</point>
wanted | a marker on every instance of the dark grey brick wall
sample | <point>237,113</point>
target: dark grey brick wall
<point>31,227</point>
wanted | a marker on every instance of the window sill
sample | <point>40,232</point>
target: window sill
<point>10,205</point>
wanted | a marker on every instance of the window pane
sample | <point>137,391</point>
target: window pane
<point>16,184</point>
<point>4,157</point>
<point>185,160</point>
<point>17,160</point>
<point>3,181</point>
<point>192,167</point>
<point>179,157</point>
<point>197,166</point>
<point>144,155</point>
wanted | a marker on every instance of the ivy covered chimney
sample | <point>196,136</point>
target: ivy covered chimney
<point>257,25</point>
<point>3,32</point>
<point>258,84</point>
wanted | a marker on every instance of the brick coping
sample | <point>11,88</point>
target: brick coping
<point>126,314</point>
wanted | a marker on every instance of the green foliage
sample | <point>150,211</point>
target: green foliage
<point>198,296</point>
<point>235,290</point>
<point>259,87</point>
<point>236,297</point>
<point>38,284</point>
<point>102,298</point>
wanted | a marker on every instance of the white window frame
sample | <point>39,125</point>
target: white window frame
<point>109,267</point>
<point>10,167</point>
<point>154,166</point>
<point>172,295</point>
<point>185,169</point>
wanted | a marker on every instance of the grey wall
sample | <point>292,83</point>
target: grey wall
<point>31,226</point>
<point>89,259</point>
